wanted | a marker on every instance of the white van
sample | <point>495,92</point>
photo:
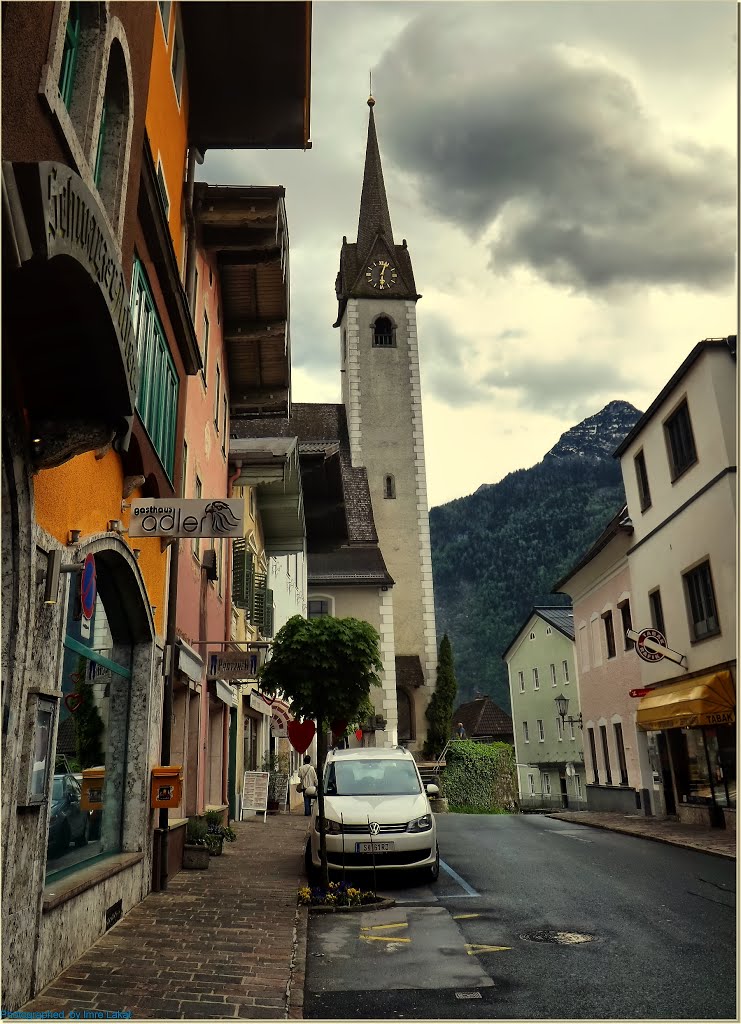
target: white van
<point>377,814</point>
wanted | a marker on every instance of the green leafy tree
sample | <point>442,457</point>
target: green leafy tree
<point>439,711</point>
<point>325,667</point>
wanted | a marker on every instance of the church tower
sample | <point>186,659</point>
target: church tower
<point>381,393</point>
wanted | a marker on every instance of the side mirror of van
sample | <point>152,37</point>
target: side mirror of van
<point>433,790</point>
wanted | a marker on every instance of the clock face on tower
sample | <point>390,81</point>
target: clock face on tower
<point>380,274</point>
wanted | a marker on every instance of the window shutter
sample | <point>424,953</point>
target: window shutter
<point>242,574</point>
<point>259,600</point>
<point>269,614</point>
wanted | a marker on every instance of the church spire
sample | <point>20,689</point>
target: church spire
<point>374,211</point>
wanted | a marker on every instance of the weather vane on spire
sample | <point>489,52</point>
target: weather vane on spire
<point>371,101</point>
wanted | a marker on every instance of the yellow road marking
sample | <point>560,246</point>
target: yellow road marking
<point>374,927</point>
<point>474,949</point>
<point>384,938</point>
<point>463,917</point>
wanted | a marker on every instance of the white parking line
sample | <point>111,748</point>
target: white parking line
<point>457,878</point>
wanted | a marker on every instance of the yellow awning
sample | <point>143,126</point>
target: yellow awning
<point>705,700</point>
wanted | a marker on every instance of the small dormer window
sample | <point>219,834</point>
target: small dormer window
<point>389,486</point>
<point>383,333</point>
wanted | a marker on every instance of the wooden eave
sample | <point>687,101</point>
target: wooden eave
<point>245,228</point>
<point>249,73</point>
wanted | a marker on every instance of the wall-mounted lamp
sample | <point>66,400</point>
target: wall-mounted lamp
<point>116,526</point>
<point>73,536</point>
<point>50,576</point>
<point>562,706</point>
<point>136,552</point>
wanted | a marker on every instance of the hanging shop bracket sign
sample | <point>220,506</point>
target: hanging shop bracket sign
<point>187,517</point>
<point>236,664</point>
<point>651,646</point>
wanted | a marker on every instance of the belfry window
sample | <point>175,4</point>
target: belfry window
<point>389,486</point>
<point>383,333</point>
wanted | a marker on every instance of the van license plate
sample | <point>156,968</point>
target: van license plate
<point>374,847</point>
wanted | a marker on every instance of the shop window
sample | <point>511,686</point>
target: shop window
<point>70,53</point>
<point>541,731</point>
<point>627,623</point>
<point>609,634</point>
<point>620,744</point>
<point>531,783</point>
<point>383,333</point>
<point>701,602</point>
<point>605,754</point>
<point>86,805</point>
<point>546,785</point>
<point>389,486</point>
<point>704,765</point>
<point>680,441</point>
<point>157,400</point>
<point>657,611</point>
<point>593,753</point>
<point>644,492</point>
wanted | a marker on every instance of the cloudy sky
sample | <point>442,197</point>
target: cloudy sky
<point>564,174</point>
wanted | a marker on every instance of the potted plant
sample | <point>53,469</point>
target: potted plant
<point>217,833</point>
<point>195,850</point>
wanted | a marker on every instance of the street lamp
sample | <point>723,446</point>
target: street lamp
<point>562,706</point>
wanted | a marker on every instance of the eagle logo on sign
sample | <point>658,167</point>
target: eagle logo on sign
<point>222,516</point>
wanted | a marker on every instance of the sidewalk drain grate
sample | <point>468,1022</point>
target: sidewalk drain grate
<point>468,995</point>
<point>560,938</point>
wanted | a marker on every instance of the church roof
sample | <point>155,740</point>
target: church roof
<point>321,429</point>
<point>482,717</point>
<point>374,210</point>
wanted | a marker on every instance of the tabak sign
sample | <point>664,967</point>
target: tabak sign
<point>187,517</point>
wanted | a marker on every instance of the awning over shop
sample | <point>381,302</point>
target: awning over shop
<point>223,691</point>
<point>705,700</point>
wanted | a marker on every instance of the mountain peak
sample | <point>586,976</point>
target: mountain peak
<point>597,436</point>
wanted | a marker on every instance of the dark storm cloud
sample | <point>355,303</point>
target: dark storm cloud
<point>560,387</point>
<point>583,184</point>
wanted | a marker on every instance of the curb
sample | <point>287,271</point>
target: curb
<point>297,979</point>
<point>384,904</point>
<point>683,844</point>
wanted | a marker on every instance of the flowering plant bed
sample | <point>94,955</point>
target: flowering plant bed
<point>339,897</point>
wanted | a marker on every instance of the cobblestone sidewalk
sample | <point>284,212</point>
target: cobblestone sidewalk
<point>721,842</point>
<point>229,942</point>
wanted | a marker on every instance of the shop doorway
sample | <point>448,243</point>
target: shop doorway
<point>666,774</point>
<point>564,791</point>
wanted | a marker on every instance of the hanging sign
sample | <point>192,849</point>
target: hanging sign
<point>187,517</point>
<point>236,664</point>
<point>651,646</point>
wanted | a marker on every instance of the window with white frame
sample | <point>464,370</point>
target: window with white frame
<point>701,606</point>
<point>525,732</point>
<point>546,784</point>
<point>559,728</point>
<point>541,731</point>
<point>577,784</point>
<point>177,65</point>
<point>532,636</point>
<point>162,186</point>
<point>521,681</point>
<point>571,731</point>
<point>553,675</point>
<point>536,681</point>
<point>565,667</point>
<point>548,631</point>
<point>164,9</point>
<point>531,783</point>
<point>317,607</point>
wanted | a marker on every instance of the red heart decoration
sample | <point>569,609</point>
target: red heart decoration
<point>301,734</point>
<point>358,734</point>
<point>338,728</point>
<point>73,701</point>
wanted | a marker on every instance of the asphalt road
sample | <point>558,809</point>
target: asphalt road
<point>656,924</point>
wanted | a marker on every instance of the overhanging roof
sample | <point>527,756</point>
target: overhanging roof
<point>249,74</point>
<point>271,466</point>
<point>245,227</point>
<point>705,700</point>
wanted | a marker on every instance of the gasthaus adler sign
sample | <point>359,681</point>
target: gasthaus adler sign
<point>187,517</point>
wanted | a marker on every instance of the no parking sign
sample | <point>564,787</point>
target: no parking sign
<point>88,594</point>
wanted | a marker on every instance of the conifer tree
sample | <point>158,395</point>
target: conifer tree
<point>439,711</point>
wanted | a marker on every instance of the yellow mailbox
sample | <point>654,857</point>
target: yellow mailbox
<point>92,789</point>
<point>167,785</point>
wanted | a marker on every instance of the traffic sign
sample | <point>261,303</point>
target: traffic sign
<point>88,586</point>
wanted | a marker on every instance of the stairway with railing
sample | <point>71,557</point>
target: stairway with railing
<point>430,770</point>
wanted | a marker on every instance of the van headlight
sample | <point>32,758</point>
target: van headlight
<point>331,828</point>
<point>423,824</point>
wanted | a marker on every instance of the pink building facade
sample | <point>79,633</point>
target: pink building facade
<point>620,774</point>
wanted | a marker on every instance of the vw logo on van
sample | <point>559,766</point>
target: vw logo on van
<point>374,828</point>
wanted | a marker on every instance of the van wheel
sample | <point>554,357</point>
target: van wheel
<point>311,871</point>
<point>432,873</point>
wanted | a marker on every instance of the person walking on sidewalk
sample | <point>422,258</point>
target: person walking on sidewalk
<point>307,777</point>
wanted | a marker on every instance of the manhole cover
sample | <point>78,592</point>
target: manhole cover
<point>560,938</point>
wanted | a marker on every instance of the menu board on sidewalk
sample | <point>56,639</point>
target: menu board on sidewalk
<point>255,793</point>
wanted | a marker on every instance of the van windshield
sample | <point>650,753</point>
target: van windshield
<point>371,778</point>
